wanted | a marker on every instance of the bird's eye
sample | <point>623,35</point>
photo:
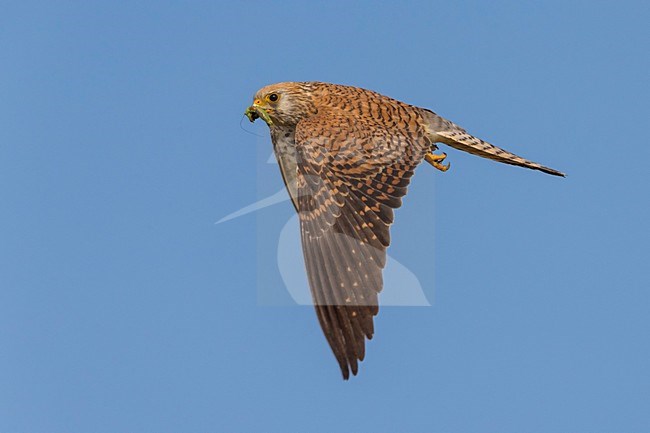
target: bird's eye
<point>273,97</point>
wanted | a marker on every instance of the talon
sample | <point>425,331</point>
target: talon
<point>435,160</point>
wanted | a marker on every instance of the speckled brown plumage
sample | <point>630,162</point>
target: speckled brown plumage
<point>347,156</point>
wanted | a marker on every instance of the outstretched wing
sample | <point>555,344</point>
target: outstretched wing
<point>351,174</point>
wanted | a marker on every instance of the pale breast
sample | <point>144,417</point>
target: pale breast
<point>284,147</point>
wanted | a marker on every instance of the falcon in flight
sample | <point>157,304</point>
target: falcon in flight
<point>347,156</point>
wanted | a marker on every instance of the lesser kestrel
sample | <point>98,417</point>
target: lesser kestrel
<point>347,156</point>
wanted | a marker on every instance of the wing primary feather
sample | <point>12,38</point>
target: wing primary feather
<point>339,300</point>
<point>347,340</point>
<point>328,319</point>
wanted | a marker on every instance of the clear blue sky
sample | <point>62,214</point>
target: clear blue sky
<point>125,308</point>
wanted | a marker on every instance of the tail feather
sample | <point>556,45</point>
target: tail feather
<point>449,133</point>
<point>461,140</point>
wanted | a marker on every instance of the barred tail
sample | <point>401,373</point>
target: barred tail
<point>463,141</point>
<point>449,133</point>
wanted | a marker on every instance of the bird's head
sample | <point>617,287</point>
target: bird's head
<point>282,104</point>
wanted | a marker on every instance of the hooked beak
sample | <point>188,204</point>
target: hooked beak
<point>255,112</point>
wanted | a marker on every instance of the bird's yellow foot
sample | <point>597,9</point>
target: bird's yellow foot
<point>436,161</point>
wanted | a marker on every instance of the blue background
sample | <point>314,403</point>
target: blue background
<point>124,308</point>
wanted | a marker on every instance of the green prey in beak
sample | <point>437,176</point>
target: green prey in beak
<point>254,112</point>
